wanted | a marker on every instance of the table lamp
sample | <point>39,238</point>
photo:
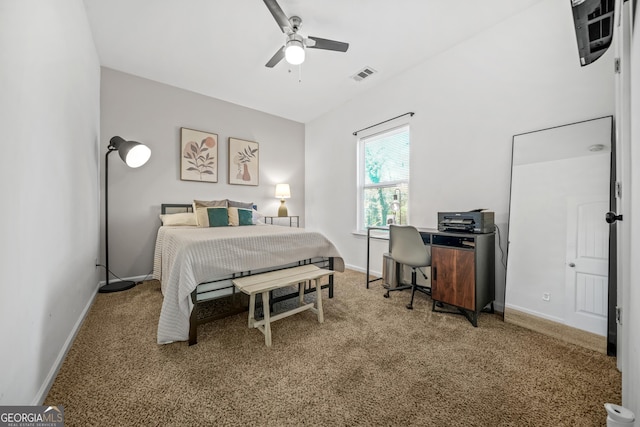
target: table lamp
<point>283,192</point>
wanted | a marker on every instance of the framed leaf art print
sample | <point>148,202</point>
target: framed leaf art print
<point>244,162</point>
<point>198,156</point>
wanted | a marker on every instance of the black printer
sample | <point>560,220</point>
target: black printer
<point>478,221</point>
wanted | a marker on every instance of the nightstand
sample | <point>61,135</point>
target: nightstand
<point>292,219</point>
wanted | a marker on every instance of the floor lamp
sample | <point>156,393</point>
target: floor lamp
<point>134,154</point>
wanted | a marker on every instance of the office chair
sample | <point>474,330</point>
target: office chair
<point>406,247</point>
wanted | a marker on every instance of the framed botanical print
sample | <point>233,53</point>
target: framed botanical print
<point>198,155</point>
<point>244,162</point>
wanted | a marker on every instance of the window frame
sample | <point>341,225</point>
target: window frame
<point>361,181</point>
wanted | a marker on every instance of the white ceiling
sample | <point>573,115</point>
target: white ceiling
<point>219,47</point>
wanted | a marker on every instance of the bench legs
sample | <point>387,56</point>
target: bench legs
<point>267,319</point>
<point>301,287</point>
<point>264,325</point>
<point>252,310</point>
<point>318,308</point>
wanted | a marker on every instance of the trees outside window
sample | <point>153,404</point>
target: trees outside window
<point>383,181</point>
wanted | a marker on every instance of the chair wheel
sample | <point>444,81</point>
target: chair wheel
<point>409,307</point>
<point>386,295</point>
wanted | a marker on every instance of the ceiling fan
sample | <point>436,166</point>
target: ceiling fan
<point>294,48</point>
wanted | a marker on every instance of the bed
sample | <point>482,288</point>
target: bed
<point>196,264</point>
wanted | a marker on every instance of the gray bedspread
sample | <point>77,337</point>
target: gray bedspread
<point>187,256</point>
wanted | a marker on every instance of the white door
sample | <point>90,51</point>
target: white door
<point>587,263</point>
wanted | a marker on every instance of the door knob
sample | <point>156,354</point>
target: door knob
<point>611,217</point>
<point>571,264</point>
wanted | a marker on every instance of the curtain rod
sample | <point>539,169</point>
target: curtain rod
<point>411,113</point>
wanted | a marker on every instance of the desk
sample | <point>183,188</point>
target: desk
<point>462,270</point>
<point>367,280</point>
<point>424,232</point>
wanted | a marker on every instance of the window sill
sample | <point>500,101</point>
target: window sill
<point>375,234</point>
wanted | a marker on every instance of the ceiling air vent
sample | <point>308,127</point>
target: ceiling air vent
<point>363,74</point>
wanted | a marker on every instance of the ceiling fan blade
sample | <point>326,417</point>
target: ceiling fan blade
<point>327,44</point>
<point>275,58</point>
<point>278,15</point>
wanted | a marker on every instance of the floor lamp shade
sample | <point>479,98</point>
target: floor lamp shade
<point>134,154</point>
<point>283,192</point>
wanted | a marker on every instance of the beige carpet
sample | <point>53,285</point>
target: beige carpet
<point>372,362</point>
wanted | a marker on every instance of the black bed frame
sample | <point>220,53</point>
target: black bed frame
<point>237,305</point>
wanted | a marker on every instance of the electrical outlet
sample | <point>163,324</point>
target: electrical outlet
<point>546,296</point>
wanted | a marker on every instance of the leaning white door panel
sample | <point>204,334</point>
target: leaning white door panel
<point>587,263</point>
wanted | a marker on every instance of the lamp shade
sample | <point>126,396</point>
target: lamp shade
<point>283,191</point>
<point>134,154</point>
<point>294,52</point>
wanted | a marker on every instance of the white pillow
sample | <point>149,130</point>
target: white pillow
<point>256,216</point>
<point>185,218</point>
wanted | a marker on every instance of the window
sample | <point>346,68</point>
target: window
<point>383,178</point>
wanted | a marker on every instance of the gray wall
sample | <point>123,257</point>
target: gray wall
<point>469,102</point>
<point>153,113</point>
<point>49,116</point>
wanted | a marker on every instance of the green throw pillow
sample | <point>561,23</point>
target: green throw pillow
<point>245,217</point>
<point>218,217</point>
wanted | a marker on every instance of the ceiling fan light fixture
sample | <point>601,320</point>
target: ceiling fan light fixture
<point>294,52</point>
<point>295,45</point>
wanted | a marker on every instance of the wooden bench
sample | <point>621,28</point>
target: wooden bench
<point>266,282</point>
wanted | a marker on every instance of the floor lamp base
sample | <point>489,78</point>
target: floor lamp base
<point>122,285</point>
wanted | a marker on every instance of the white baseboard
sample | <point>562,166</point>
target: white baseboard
<point>557,330</point>
<point>363,270</point>
<point>354,268</point>
<point>534,313</point>
<point>46,385</point>
<point>134,279</point>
